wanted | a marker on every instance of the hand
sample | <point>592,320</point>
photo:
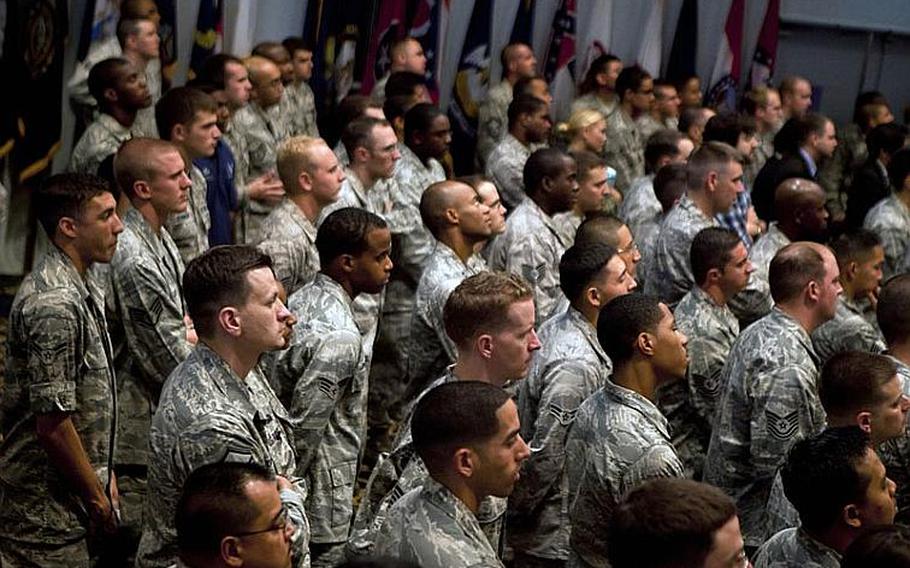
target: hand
<point>266,187</point>
<point>102,517</point>
<point>872,296</point>
<point>283,483</point>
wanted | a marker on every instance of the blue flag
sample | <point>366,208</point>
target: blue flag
<point>207,39</point>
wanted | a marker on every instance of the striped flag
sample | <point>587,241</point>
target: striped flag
<point>766,50</point>
<point>388,27</point>
<point>425,29</point>
<point>559,66</point>
<point>594,21</point>
<point>725,76</point>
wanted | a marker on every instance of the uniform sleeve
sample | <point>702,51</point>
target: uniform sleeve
<point>152,318</point>
<point>593,507</point>
<point>53,364</point>
<point>528,258</point>
<point>894,241</point>
<point>289,262</point>
<point>507,175</point>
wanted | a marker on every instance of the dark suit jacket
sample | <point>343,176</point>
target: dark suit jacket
<point>870,185</point>
<point>776,170</point>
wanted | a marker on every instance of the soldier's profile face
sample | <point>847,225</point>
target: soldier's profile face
<point>868,273</point>
<point>735,275</point>
<point>170,184</point>
<point>373,266</point>
<point>501,456</point>
<point>327,175</point>
<point>473,213</point>
<point>628,249</point>
<point>383,152</point>
<point>97,228</point>
<point>592,190</point>
<point>269,544</point>
<point>515,341</point>
<point>727,547</point>
<point>265,320</point>
<point>565,186</point>
<point>202,134</point>
<point>303,64</point>
<point>595,136</point>
<point>729,185</point>
<point>439,136</point>
<point>490,196</point>
<point>613,280</point>
<point>830,288</point>
<point>888,416</point>
<point>237,84</point>
<point>878,505</point>
<point>670,356</point>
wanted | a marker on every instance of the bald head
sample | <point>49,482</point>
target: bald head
<point>794,267</point>
<point>259,68</point>
<point>437,199</point>
<point>799,205</point>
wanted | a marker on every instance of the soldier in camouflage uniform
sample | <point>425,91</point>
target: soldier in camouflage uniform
<point>593,189</point>
<point>769,397</point>
<point>405,55</point>
<point>324,372</point>
<point>58,404</point>
<point>147,300</point>
<point>664,115</point>
<point>840,487</point>
<point>529,126</point>
<point>714,180</point>
<point>256,131</point>
<point>140,42</point>
<point>763,105</point>
<point>605,228</point>
<point>456,216</point>
<point>532,245</point>
<point>432,525</point>
<point>312,178</point>
<point>860,257</point>
<point>298,92</point>
<point>188,118</point>
<point>598,90</point>
<point>104,136</point>
<point>570,367</point>
<point>721,269</point>
<point>890,218</point>
<point>667,189</point>
<point>625,147</point>
<point>482,311</point>
<point>620,439</point>
<point>212,410</point>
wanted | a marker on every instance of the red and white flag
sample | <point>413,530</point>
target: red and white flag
<point>766,49</point>
<point>725,76</point>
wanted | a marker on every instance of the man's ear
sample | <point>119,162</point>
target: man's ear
<point>851,516</point>
<point>67,227</point>
<point>231,551</point>
<point>110,94</point>
<point>711,180</point>
<point>812,291</point>
<point>713,275</point>
<point>849,272</point>
<point>465,462</point>
<point>229,320</point>
<point>645,343</point>
<point>864,421</point>
<point>178,133</point>
<point>142,190</point>
<point>484,344</point>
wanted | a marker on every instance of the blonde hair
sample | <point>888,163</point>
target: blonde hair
<point>296,154</point>
<point>580,119</point>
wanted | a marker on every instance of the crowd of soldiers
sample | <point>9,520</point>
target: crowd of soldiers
<point>650,336</point>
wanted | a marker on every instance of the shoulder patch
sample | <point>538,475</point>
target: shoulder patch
<point>782,427</point>
<point>563,416</point>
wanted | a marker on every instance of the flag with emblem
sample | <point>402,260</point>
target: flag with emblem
<point>559,66</point>
<point>725,77</point>
<point>425,29</point>
<point>388,27</point>
<point>209,33</point>
<point>98,24</point>
<point>766,49</point>
<point>471,81</point>
<point>594,26</point>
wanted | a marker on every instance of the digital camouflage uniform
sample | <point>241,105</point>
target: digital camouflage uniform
<point>648,125</point>
<point>690,405</point>
<point>434,528</point>
<point>836,173</point>
<point>532,247</point>
<point>207,414</point>
<point>769,400</point>
<point>430,350</point>
<point>59,360</point>
<point>619,440</point>
<point>594,102</point>
<point>147,302</point>
<point>640,206</point>
<point>505,167</point>
<point>101,139</point>
<point>624,150</point>
<point>895,454</point>
<point>568,369</point>
<point>254,137</point>
<point>324,373</point>
<point>762,153</point>
<point>847,331</point>
<point>493,119</point>
<point>671,274</point>
<point>568,223</point>
<point>397,473</point>
<point>754,301</point>
<point>794,547</point>
<point>290,239</point>
<point>890,220</point>
<point>301,105</point>
<point>190,228</point>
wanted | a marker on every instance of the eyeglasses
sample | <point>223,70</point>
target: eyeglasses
<point>280,523</point>
<point>633,246</point>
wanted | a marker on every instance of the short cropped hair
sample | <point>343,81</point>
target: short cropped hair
<point>792,268</point>
<point>600,65</point>
<point>599,227</point>
<point>663,143</point>
<point>295,43</point>
<point>889,137</point>
<point>480,305</point>
<point>420,119</point>
<point>134,161</point>
<point>788,84</point>
<point>820,475</point>
<point>345,231</point>
<point>893,312</point>
<point>65,195</point>
<point>850,381</point>
<point>622,320</point>
<point>710,157</point>
<point>455,415</point>
<point>670,184</point>
<point>756,98</point>
<point>691,116</point>
<point>127,27</point>
<point>104,75</point>
<point>213,68</point>
<point>728,127</point>
<point>524,105</point>
<point>179,106</point>
<point>797,130</point>
<point>217,278</point>
<point>403,83</point>
<point>585,161</point>
<point>542,164</point>
<point>359,133</point>
<point>295,155</point>
<point>213,505</point>
<point>884,546</point>
<point>352,107</point>
<point>855,246</point>
<point>524,86</point>
<point>711,248</point>
<point>579,265</point>
<point>397,106</point>
<point>666,523</point>
<point>630,79</point>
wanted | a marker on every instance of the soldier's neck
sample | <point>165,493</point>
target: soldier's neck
<point>471,367</point>
<point>307,205</point>
<point>716,294</point>
<point>520,135</point>
<point>637,375</point>
<point>900,351</point>
<point>806,316</point>
<point>233,354</point>
<point>363,176</point>
<point>461,490</point>
<point>124,117</point>
<point>79,263</point>
<point>154,218</point>
<point>462,245</point>
<point>700,199</point>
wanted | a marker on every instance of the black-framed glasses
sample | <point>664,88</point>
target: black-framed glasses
<point>280,523</point>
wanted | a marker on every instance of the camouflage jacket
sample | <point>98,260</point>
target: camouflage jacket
<point>505,167</point>
<point>532,247</point>
<point>619,441</point>
<point>290,239</point>
<point>101,139</point>
<point>190,229</point>
<point>754,301</point>
<point>302,106</point>
<point>890,220</point>
<point>769,400</point>
<point>594,102</point>
<point>568,369</point>
<point>895,454</point>
<point>624,150</point>
<point>493,119</point>
<point>639,205</point>
<point>847,331</point>
<point>763,151</point>
<point>794,547</point>
<point>207,414</point>
<point>59,359</point>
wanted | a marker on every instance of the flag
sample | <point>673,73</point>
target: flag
<point>681,63</point>
<point>559,66</point>
<point>98,24</point>
<point>425,29</point>
<point>725,76</point>
<point>388,27</point>
<point>594,21</point>
<point>471,81</point>
<point>766,50</point>
<point>649,51</point>
<point>523,27</point>
<point>209,32</point>
<point>33,50</point>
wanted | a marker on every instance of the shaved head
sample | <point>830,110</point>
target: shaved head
<point>436,199</point>
<point>259,67</point>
